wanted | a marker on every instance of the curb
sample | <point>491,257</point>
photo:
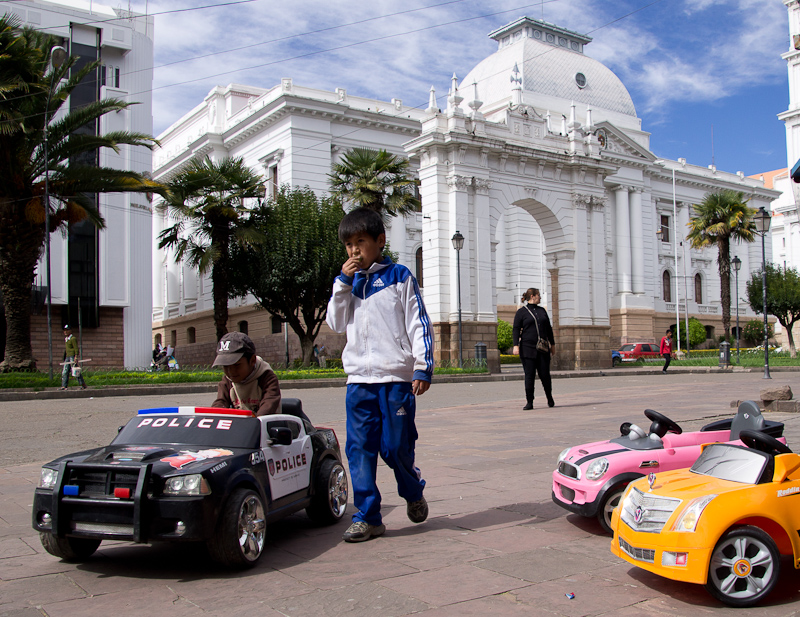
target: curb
<point>514,374</point>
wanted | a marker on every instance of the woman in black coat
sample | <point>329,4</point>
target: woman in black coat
<point>526,336</point>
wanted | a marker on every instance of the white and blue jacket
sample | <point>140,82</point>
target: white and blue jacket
<point>389,336</point>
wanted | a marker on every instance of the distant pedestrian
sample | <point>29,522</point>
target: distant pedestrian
<point>72,358</point>
<point>533,339</point>
<point>666,350</point>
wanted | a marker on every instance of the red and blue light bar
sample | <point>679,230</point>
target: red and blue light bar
<point>189,411</point>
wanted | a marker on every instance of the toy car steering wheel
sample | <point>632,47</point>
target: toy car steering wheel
<point>661,424</point>
<point>763,442</point>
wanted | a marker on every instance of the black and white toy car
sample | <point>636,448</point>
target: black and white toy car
<point>203,474</point>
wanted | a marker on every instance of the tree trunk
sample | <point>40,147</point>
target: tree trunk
<point>18,259</point>
<point>724,263</point>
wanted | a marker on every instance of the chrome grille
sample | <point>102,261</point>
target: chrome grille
<point>568,469</point>
<point>639,554</point>
<point>647,512</point>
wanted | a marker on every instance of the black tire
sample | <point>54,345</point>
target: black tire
<point>69,549</point>
<point>744,567</point>
<point>610,501</point>
<point>329,501</point>
<point>615,362</point>
<point>241,531</point>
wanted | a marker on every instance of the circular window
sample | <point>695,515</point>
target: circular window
<point>562,41</point>
<point>574,45</point>
<point>550,38</point>
<point>580,79</point>
<point>537,34</point>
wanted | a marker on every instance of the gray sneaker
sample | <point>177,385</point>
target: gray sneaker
<point>417,510</point>
<point>361,531</point>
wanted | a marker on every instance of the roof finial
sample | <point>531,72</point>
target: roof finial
<point>454,100</point>
<point>432,108</point>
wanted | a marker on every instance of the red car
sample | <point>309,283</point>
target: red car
<point>638,352</point>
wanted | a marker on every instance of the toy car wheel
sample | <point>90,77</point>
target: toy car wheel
<point>69,549</point>
<point>240,536</point>
<point>610,501</point>
<point>330,493</point>
<point>745,566</point>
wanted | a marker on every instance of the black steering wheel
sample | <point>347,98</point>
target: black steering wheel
<point>763,442</point>
<point>661,424</point>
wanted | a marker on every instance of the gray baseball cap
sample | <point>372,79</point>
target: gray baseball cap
<point>232,347</point>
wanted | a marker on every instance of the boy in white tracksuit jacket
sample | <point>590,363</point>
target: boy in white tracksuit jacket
<point>388,360</point>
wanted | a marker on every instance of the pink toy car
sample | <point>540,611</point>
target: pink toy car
<point>590,479</point>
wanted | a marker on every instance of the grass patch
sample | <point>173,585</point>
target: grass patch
<point>38,380</point>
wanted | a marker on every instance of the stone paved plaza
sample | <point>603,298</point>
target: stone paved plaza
<point>494,544</point>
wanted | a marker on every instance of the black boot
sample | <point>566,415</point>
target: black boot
<point>528,406</point>
<point>550,401</point>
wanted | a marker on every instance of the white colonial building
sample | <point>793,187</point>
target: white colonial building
<point>107,273</point>
<point>538,159</point>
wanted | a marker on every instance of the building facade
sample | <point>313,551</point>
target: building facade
<point>101,280</point>
<point>538,159</point>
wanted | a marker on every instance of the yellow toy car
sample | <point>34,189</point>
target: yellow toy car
<point>723,523</point>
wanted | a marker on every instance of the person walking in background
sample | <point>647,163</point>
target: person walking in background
<point>534,343</point>
<point>72,356</point>
<point>666,350</point>
<point>389,361</point>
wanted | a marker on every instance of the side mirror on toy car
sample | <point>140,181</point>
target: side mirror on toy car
<point>280,435</point>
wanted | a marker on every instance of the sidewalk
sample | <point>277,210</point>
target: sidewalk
<point>509,372</point>
<point>494,543</point>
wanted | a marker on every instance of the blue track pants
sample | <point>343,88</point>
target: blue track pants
<point>380,420</point>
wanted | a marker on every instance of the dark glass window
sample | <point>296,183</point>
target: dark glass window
<point>664,228</point>
<point>277,325</point>
<point>419,266</point>
<point>243,326</point>
<point>666,285</point>
<point>698,289</point>
<point>190,335</point>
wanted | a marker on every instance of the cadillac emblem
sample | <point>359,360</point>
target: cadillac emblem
<point>638,514</point>
<point>651,478</point>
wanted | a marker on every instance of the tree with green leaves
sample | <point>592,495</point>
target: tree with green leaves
<point>32,94</point>
<point>721,217</point>
<point>783,298</point>
<point>697,333</point>
<point>377,180</point>
<point>291,273</point>
<point>209,207</point>
<point>504,336</point>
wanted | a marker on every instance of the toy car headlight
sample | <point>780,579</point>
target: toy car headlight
<point>48,478</point>
<point>563,454</point>
<point>194,484</point>
<point>597,468</point>
<point>690,516</point>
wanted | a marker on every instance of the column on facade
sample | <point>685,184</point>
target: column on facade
<point>397,240</point>
<point>501,264</point>
<point>458,211</point>
<point>622,241</point>
<point>484,268</point>
<point>637,241</point>
<point>158,263</point>
<point>597,247</point>
<point>584,264</point>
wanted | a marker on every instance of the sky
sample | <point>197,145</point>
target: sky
<point>706,76</point>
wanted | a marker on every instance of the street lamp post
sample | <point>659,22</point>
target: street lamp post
<point>737,265</point>
<point>458,244</point>
<point>57,56</point>
<point>762,220</point>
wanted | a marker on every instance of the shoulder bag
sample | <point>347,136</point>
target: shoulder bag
<point>542,344</point>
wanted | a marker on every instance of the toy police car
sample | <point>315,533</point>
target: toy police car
<point>192,474</point>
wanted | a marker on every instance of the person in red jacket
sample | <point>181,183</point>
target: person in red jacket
<point>666,350</point>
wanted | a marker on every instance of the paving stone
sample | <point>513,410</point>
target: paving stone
<point>14,547</point>
<point>366,600</point>
<point>537,565</point>
<point>34,591</point>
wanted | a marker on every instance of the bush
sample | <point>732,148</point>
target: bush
<point>697,332</point>
<point>753,332</point>
<point>504,336</point>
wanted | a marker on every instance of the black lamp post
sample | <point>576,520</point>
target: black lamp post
<point>57,56</point>
<point>762,220</point>
<point>737,265</point>
<point>458,244</point>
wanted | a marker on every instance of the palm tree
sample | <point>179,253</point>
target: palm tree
<point>722,216</point>
<point>31,93</point>
<point>377,180</point>
<point>207,203</point>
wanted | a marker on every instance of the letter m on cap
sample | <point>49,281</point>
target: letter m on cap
<point>224,345</point>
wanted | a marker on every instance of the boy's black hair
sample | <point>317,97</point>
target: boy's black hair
<point>361,220</point>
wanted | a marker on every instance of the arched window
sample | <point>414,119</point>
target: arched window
<point>190,335</point>
<point>666,284</point>
<point>157,340</point>
<point>419,266</point>
<point>243,327</point>
<point>698,289</point>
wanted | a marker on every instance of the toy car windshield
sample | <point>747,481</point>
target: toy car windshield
<point>732,463</point>
<point>221,430</point>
